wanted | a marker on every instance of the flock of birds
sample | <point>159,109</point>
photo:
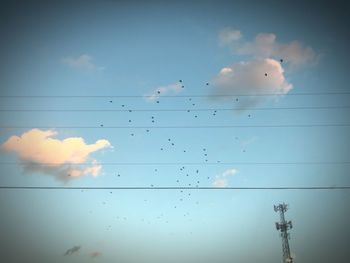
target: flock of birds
<point>187,176</point>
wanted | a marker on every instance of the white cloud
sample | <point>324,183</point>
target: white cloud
<point>259,76</point>
<point>229,172</point>
<point>83,62</point>
<point>164,90</point>
<point>228,36</point>
<point>222,180</point>
<point>64,159</point>
<point>265,45</point>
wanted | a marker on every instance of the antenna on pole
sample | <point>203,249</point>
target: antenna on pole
<point>283,226</point>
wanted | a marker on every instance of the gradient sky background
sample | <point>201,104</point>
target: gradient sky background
<point>96,48</point>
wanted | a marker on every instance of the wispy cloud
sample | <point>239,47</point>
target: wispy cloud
<point>266,45</point>
<point>64,159</point>
<point>260,76</point>
<point>248,141</point>
<point>95,254</point>
<point>83,62</point>
<point>174,88</point>
<point>228,36</point>
<point>72,250</point>
<point>222,180</point>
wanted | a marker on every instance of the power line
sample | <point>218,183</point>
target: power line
<point>184,163</point>
<point>183,126</point>
<point>176,110</point>
<point>174,188</point>
<point>176,96</point>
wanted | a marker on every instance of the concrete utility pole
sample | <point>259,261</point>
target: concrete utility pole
<point>283,226</point>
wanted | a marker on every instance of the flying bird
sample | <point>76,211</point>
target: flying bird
<point>72,250</point>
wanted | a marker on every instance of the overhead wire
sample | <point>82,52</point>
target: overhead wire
<point>173,188</point>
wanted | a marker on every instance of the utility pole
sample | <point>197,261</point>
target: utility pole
<point>283,226</point>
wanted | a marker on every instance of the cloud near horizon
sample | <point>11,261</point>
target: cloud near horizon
<point>63,159</point>
<point>260,76</point>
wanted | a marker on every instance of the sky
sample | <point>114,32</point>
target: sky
<point>217,94</point>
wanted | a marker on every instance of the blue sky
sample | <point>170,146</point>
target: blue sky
<point>109,49</point>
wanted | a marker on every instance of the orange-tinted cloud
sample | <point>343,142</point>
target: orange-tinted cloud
<point>39,151</point>
<point>222,180</point>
